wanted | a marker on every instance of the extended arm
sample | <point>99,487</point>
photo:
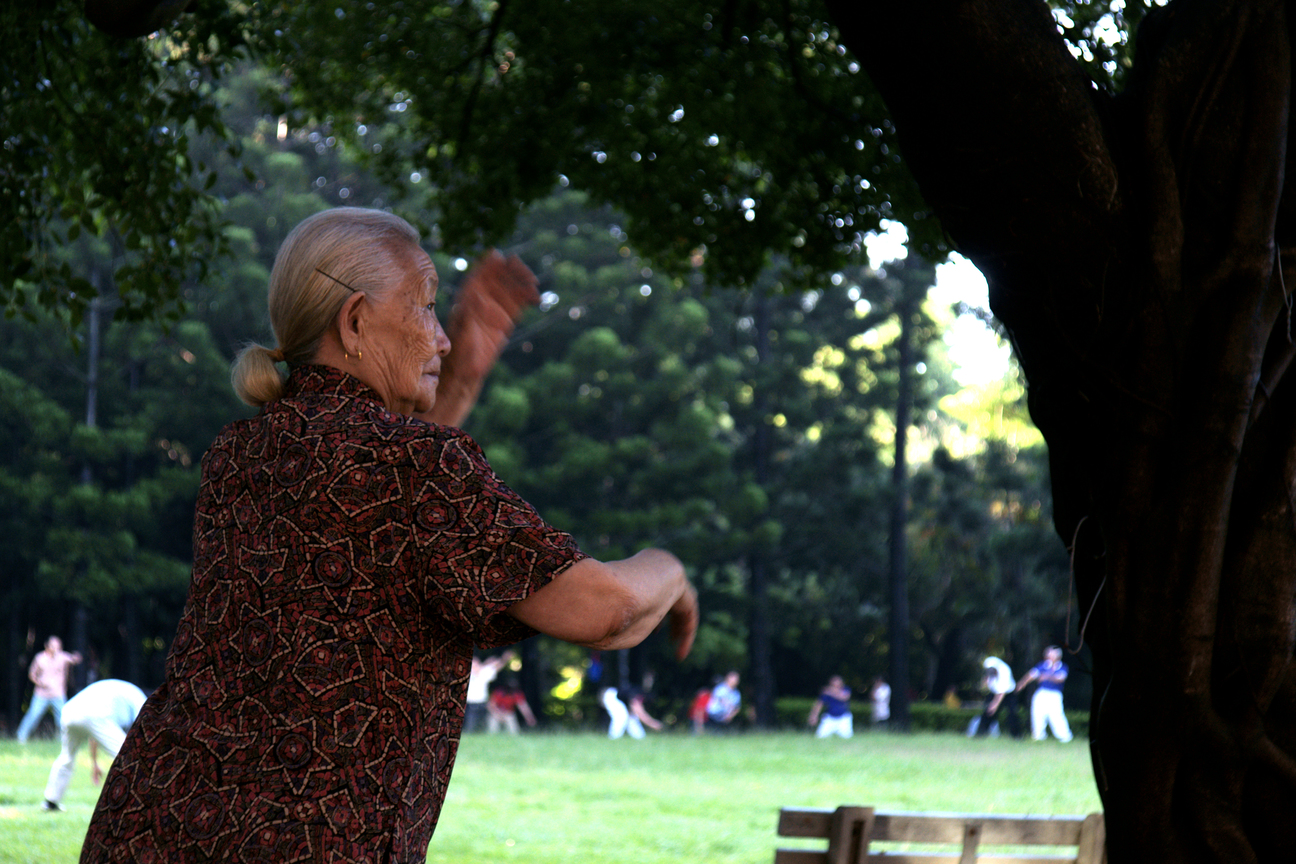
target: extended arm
<point>638,710</point>
<point>615,604</point>
<point>498,663</point>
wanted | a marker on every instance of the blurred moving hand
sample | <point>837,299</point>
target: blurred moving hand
<point>495,293</point>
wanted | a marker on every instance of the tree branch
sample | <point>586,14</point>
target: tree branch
<point>487,49</point>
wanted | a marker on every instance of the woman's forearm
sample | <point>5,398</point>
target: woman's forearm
<point>615,604</point>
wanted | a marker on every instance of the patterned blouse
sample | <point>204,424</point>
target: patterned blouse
<point>346,561</point>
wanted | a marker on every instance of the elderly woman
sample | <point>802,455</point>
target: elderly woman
<point>349,553</point>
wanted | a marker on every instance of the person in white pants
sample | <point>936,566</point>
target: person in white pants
<point>100,714</point>
<point>629,715</point>
<point>1046,704</point>
<point>832,710</point>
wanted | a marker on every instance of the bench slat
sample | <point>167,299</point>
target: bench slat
<point>972,831</point>
<point>943,827</point>
<point>811,856</point>
<point>995,830</point>
<point>804,822</point>
<point>800,856</point>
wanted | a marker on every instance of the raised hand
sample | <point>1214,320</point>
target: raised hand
<point>494,294</point>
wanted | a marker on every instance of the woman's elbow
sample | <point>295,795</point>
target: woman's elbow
<point>622,625</point>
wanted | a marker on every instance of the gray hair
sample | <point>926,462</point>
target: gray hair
<point>325,258</point>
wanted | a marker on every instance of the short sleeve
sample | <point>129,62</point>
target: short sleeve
<point>481,546</point>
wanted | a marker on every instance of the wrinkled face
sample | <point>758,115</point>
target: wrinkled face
<point>405,338</point>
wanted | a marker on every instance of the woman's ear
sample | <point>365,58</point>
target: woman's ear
<point>349,325</point>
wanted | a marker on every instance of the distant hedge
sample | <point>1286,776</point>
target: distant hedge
<point>585,712</point>
<point>924,716</point>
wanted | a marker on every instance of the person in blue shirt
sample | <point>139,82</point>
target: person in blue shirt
<point>834,706</point>
<point>724,703</point>
<point>1046,704</point>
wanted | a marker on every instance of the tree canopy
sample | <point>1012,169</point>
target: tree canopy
<point>98,137</point>
<point>740,130</point>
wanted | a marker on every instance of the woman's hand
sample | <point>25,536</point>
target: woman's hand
<point>684,622</point>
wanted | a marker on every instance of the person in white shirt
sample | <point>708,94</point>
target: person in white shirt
<point>482,673</point>
<point>1001,704</point>
<point>880,695</point>
<point>100,714</point>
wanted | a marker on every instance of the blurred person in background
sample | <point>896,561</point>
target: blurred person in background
<point>880,697</point>
<point>504,705</point>
<point>101,713</point>
<point>48,673</point>
<point>724,703</point>
<point>1046,709</point>
<point>834,704</point>
<point>480,676</point>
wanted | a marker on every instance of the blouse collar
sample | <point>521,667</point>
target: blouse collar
<point>313,379</point>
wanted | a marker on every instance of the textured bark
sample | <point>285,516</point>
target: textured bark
<point>1132,245</point>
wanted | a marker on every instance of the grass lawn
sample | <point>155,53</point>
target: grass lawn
<point>555,799</point>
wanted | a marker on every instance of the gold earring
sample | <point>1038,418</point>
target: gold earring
<point>359,356</point>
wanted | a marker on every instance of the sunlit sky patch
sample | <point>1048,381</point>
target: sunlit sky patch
<point>973,348</point>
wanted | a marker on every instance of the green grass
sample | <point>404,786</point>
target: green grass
<point>554,799</point>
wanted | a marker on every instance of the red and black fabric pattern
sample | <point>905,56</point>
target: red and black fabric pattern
<point>346,561</point>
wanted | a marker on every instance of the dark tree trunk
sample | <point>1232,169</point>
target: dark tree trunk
<point>131,636</point>
<point>950,655</point>
<point>16,670</point>
<point>1133,247</point>
<point>898,630</point>
<point>759,648</point>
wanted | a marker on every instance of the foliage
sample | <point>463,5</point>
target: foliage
<point>647,106</point>
<point>652,108</point>
<point>987,575</point>
<point>100,511</point>
<point>1101,35</point>
<point>97,142</point>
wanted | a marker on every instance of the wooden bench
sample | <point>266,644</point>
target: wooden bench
<point>851,830</point>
